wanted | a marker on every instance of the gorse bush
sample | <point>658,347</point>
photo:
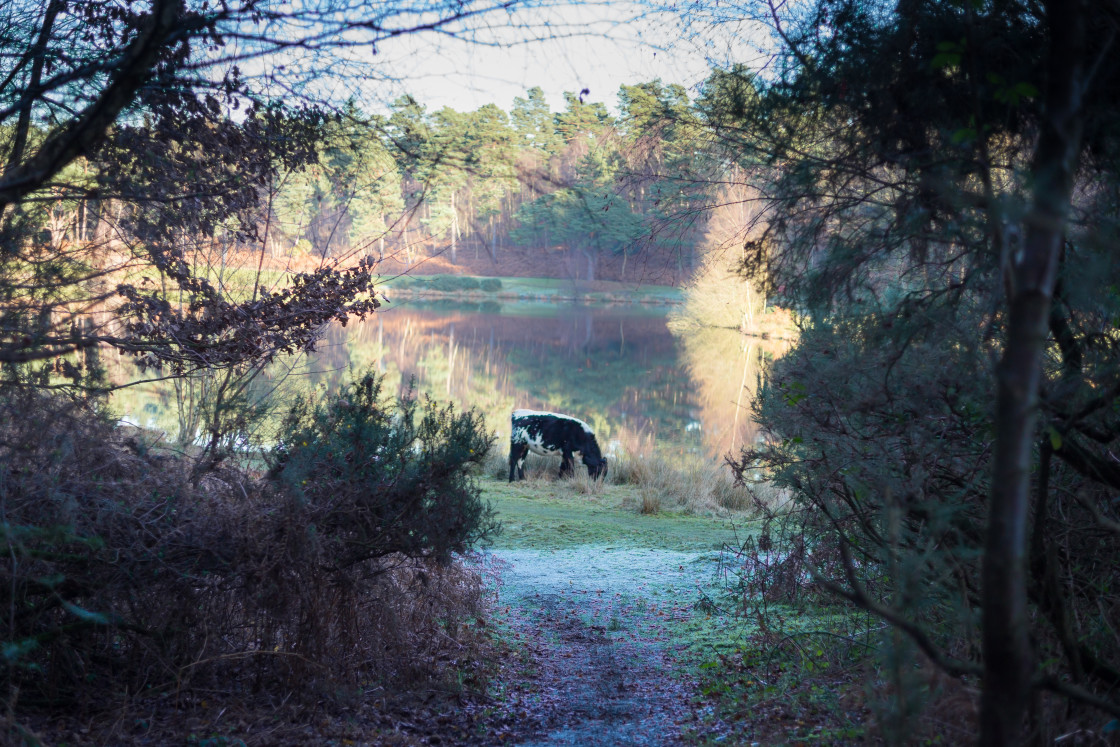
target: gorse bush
<point>455,283</point>
<point>380,478</point>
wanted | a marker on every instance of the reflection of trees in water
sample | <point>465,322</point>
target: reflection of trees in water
<point>618,369</point>
<point>725,366</point>
<point>614,368</point>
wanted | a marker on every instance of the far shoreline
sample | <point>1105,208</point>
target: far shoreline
<point>529,289</point>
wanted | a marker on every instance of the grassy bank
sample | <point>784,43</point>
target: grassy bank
<point>551,514</point>
<point>529,289</point>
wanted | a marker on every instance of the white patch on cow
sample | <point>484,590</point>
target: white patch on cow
<point>521,435</point>
<point>527,413</point>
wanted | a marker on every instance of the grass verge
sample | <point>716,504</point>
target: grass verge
<point>544,513</point>
<point>533,289</point>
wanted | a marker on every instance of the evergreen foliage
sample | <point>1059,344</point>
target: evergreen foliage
<point>379,478</point>
<point>905,201</point>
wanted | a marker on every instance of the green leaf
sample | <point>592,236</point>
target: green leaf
<point>949,54</point>
<point>16,650</point>
<point>964,135</point>
<point>1014,94</point>
<point>1055,438</point>
<point>943,60</point>
<point>84,614</point>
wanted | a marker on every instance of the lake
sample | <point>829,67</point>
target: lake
<point>642,387</point>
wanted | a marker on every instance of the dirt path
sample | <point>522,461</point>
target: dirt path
<point>596,620</point>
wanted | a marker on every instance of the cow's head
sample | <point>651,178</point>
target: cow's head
<point>596,468</point>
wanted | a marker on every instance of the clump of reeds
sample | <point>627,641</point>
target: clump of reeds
<point>689,483</point>
<point>695,485</point>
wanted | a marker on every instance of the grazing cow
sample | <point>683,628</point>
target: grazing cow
<point>548,433</point>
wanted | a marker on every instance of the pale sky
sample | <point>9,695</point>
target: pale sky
<point>558,45</point>
<point>593,46</point>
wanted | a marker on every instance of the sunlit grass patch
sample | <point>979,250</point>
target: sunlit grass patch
<point>689,484</point>
<point>549,513</point>
<point>542,289</point>
<point>686,484</point>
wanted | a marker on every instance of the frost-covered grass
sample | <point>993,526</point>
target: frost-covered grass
<point>658,588</point>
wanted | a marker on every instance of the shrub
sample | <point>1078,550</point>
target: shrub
<point>121,575</point>
<point>100,545</point>
<point>886,449</point>
<point>453,283</point>
<point>378,478</point>
<point>490,285</point>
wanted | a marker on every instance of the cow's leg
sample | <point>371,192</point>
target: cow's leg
<point>517,454</point>
<point>567,462</point>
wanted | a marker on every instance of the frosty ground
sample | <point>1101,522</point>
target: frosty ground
<point>595,595</point>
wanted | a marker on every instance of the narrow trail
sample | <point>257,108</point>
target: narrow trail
<point>597,618</point>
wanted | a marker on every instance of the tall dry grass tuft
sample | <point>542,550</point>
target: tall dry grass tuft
<point>585,485</point>
<point>536,467</point>
<point>693,485</point>
<point>651,501</point>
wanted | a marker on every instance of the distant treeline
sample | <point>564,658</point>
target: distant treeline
<point>596,188</point>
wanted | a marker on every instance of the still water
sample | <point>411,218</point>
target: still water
<point>642,387</point>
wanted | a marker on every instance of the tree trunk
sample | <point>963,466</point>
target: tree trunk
<point>88,127</point>
<point>38,60</point>
<point>1008,665</point>
<point>454,227</point>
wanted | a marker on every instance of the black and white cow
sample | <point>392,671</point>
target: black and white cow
<point>548,433</point>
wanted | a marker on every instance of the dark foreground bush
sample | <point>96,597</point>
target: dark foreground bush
<point>490,285</point>
<point>120,579</point>
<point>378,478</point>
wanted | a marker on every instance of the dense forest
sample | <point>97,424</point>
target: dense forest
<point>578,193</point>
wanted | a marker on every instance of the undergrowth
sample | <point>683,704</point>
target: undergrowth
<point>792,664</point>
<point>126,586</point>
